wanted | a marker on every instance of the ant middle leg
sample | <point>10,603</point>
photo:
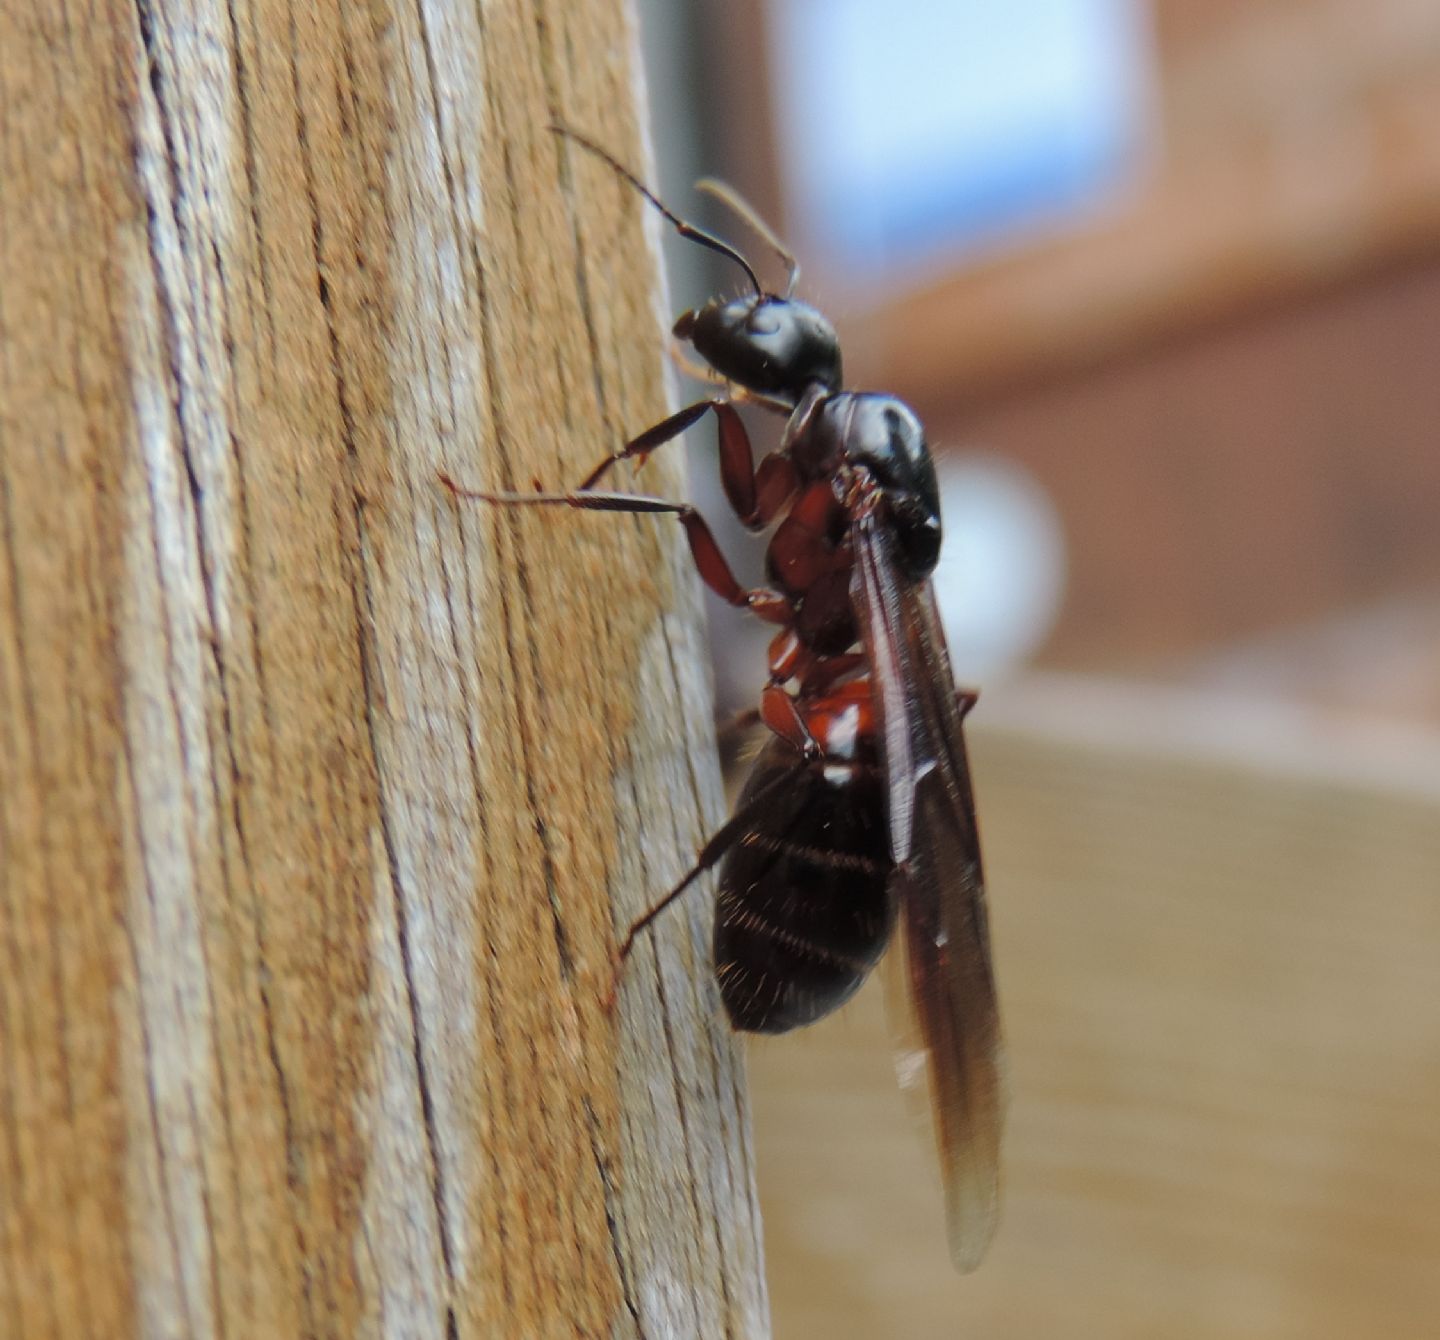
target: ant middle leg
<point>714,570</point>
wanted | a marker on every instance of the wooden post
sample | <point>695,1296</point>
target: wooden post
<point>322,797</point>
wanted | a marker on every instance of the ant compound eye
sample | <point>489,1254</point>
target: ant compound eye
<point>764,320</point>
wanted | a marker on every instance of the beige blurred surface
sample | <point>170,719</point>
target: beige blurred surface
<point>1217,932</point>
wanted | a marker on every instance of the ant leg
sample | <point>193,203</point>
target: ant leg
<point>731,735</point>
<point>701,371</point>
<point>832,668</point>
<point>667,430</point>
<point>720,842</point>
<point>694,368</point>
<point>714,571</point>
<point>755,495</point>
<point>755,503</point>
<point>779,712</point>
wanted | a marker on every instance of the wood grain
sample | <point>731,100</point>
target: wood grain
<point>320,796</point>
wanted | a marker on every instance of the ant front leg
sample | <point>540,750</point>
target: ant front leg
<point>755,495</point>
<point>715,572</point>
<point>700,371</point>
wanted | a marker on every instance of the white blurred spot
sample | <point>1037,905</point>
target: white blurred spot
<point>1002,566</point>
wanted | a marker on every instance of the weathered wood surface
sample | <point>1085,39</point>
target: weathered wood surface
<point>320,796</point>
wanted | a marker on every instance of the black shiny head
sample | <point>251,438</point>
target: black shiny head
<point>775,346</point>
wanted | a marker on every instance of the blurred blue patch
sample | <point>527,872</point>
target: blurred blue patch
<point>915,127</point>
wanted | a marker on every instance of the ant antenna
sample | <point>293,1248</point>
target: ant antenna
<point>686,230</point>
<point>728,196</point>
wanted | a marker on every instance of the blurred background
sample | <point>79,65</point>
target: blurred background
<point>1163,279</point>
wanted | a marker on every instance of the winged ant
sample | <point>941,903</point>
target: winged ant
<point>856,825</point>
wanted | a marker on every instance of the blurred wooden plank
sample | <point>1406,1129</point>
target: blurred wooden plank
<point>1385,657</point>
<point>1268,474</point>
<point>1217,935</point>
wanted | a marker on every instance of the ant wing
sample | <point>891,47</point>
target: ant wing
<point>948,1008</point>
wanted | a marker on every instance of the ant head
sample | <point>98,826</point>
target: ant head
<point>774,346</point>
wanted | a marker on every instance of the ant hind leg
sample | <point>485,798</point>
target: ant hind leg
<point>725,837</point>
